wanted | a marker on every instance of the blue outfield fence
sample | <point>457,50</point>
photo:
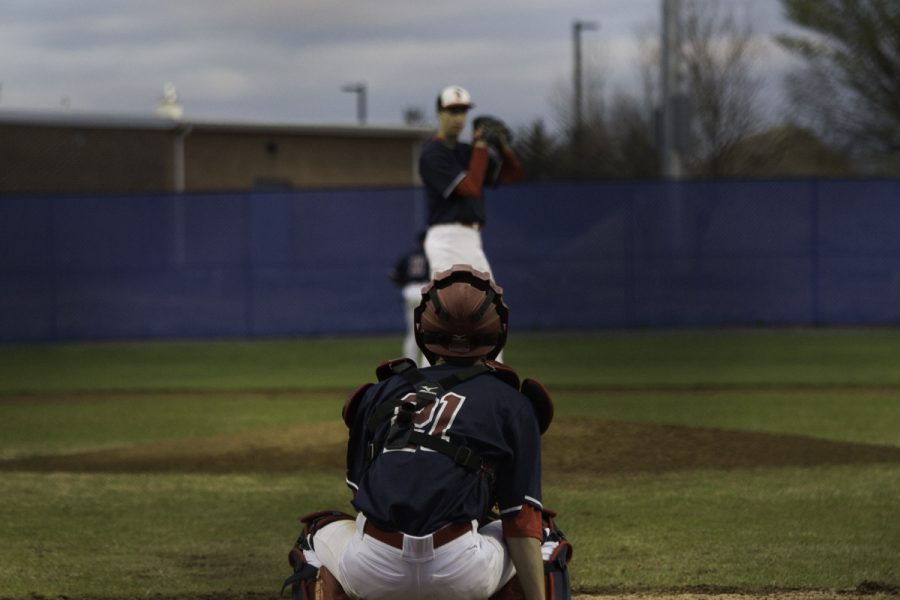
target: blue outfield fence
<point>593,255</point>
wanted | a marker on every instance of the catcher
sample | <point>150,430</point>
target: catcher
<point>444,467</point>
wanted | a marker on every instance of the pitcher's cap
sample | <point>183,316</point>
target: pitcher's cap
<point>455,96</point>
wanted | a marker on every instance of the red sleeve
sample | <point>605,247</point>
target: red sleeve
<point>470,185</point>
<point>526,522</point>
<point>512,169</point>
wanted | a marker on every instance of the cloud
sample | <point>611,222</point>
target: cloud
<point>287,59</point>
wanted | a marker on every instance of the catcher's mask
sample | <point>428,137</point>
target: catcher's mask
<point>462,316</point>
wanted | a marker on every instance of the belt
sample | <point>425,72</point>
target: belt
<point>471,224</point>
<point>442,536</point>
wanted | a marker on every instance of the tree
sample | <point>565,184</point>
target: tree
<point>615,139</point>
<point>789,151</point>
<point>587,149</point>
<point>717,91</point>
<point>414,116</point>
<point>717,54</point>
<point>634,153</point>
<point>849,91</point>
<point>618,133</point>
<point>538,150</point>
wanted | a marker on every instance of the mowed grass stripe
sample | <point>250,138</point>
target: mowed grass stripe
<point>758,530</point>
<point>762,530</point>
<point>66,424</point>
<point>684,359</point>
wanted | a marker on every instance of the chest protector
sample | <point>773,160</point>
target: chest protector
<point>402,433</point>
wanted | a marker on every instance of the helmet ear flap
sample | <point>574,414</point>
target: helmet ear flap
<point>503,311</point>
<point>430,356</point>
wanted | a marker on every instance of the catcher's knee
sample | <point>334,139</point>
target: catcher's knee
<point>315,521</point>
<point>302,557</point>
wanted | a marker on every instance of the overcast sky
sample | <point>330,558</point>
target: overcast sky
<point>286,60</point>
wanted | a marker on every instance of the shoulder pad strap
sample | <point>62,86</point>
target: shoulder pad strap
<point>466,374</point>
<point>389,368</point>
<point>506,374</point>
<point>352,402</point>
<point>540,402</point>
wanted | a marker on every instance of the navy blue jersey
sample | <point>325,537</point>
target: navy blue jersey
<point>417,490</point>
<point>441,168</point>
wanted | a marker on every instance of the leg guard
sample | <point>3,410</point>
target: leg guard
<point>557,552</point>
<point>303,580</point>
<point>302,558</point>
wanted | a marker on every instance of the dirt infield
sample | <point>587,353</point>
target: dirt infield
<point>604,447</point>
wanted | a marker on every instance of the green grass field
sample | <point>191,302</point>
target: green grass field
<point>747,461</point>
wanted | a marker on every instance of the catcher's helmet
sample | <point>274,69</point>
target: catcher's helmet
<point>462,316</point>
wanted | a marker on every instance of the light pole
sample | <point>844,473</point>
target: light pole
<point>670,53</point>
<point>360,90</point>
<point>577,28</point>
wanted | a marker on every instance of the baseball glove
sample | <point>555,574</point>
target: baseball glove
<point>493,131</point>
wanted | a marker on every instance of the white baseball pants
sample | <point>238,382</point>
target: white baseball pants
<point>474,565</point>
<point>412,296</point>
<point>449,244</point>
